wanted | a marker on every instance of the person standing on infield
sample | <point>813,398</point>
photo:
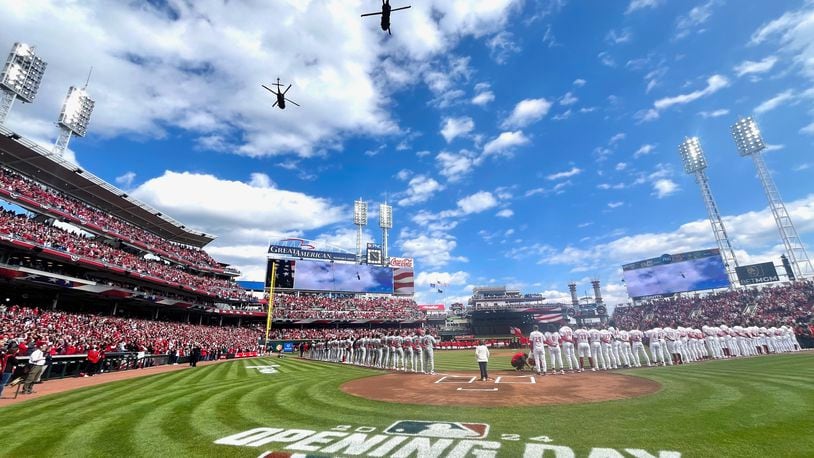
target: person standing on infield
<point>482,354</point>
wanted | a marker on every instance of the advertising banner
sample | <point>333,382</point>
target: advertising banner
<point>406,263</point>
<point>310,254</point>
<point>432,308</point>
<point>757,273</point>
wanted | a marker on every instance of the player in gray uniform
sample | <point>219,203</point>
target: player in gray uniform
<point>385,351</point>
<point>399,346</point>
<point>428,341</point>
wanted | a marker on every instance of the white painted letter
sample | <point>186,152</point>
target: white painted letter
<point>248,436</point>
<point>605,453</point>
<point>639,453</point>
<point>291,435</point>
<point>486,450</point>
<point>538,451</point>
<point>323,438</point>
<point>356,444</point>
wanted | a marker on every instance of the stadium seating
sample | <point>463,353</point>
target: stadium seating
<point>75,333</point>
<point>789,304</point>
<point>305,307</point>
<point>22,228</point>
<point>82,214</point>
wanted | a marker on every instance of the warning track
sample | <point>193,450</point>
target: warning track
<point>508,388</point>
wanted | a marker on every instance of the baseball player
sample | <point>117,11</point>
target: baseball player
<point>596,350</point>
<point>584,349</point>
<point>606,347</point>
<point>399,338</point>
<point>552,340</point>
<point>670,337</point>
<point>408,349</point>
<point>537,348</point>
<point>624,348</point>
<point>429,342</point>
<point>567,336</point>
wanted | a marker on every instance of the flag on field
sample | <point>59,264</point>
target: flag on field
<point>519,334</point>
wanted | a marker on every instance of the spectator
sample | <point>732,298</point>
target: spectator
<point>36,363</point>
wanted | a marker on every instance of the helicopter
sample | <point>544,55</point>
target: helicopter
<point>281,99</point>
<point>385,12</point>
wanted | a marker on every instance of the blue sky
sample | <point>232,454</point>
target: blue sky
<point>528,143</point>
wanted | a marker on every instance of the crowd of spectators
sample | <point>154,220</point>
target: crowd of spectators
<point>789,304</point>
<point>77,333</point>
<point>48,236</point>
<point>113,226</point>
<point>305,307</point>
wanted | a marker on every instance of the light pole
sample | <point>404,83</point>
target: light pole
<point>21,77</point>
<point>360,220</point>
<point>749,141</point>
<point>694,164</point>
<point>385,223</point>
<point>74,117</point>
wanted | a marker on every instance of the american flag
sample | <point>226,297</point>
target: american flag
<point>548,317</point>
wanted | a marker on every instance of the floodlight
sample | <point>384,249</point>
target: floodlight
<point>692,155</point>
<point>76,111</point>
<point>23,72</point>
<point>385,216</point>
<point>747,136</point>
<point>360,213</point>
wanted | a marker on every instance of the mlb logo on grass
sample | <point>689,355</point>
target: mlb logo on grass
<point>445,429</point>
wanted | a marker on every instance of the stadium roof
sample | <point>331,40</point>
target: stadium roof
<point>36,162</point>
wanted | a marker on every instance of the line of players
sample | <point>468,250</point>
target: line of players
<point>406,350</point>
<point>614,348</point>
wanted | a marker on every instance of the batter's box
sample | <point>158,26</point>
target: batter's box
<point>518,379</point>
<point>459,379</point>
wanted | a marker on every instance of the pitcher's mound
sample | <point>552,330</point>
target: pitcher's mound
<point>508,388</point>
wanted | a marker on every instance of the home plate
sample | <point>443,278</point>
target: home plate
<point>476,389</point>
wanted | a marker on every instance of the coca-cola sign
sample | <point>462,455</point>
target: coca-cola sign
<point>405,263</point>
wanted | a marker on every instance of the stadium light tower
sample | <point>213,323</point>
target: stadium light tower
<point>694,164</point>
<point>750,143</point>
<point>360,220</point>
<point>74,117</point>
<point>21,77</point>
<point>386,223</point>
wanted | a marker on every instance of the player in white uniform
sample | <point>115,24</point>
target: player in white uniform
<point>537,347</point>
<point>583,348</point>
<point>636,337</point>
<point>670,337</point>
<point>552,340</point>
<point>567,335</point>
<point>596,350</point>
<point>408,349</point>
<point>605,339</point>
<point>624,348</point>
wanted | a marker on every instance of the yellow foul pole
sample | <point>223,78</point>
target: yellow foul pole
<point>270,304</point>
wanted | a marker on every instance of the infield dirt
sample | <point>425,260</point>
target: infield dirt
<point>507,388</point>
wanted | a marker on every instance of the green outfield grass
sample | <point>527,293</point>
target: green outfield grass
<point>756,407</point>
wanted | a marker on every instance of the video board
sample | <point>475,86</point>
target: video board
<point>677,273</point>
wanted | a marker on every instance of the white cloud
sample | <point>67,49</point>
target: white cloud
<point>615,204</point>
<point>644,150</point>
<point>692,21</point>
<point>568,99</point>
<point>195,66</point>
<point>621,166</point>
<point>420,189</point>
<point>665,187</point>
<point>404,174</point>
<point>502,46</point>
<point>574,171</point>
<point>617,138</point>
<point>615,37</point>
<point>505,142</point>
<point>775,102</point>
<point>749,67</point>
<point>260,180</point>
<point>808,130</point>
<point>483,94</point>
<point>505,213</point>
<point>424,278</point>
<point>455,127</point>
<point>606,59</point>
<point>714,84</point>
<point>714,114</point>
<point>526,112</point>
<point>455,166</point>
<point>636,5</point>
<point>429,251</point>
<point>579,82</point>
<point>477,202</point>
<point>126,180</point>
